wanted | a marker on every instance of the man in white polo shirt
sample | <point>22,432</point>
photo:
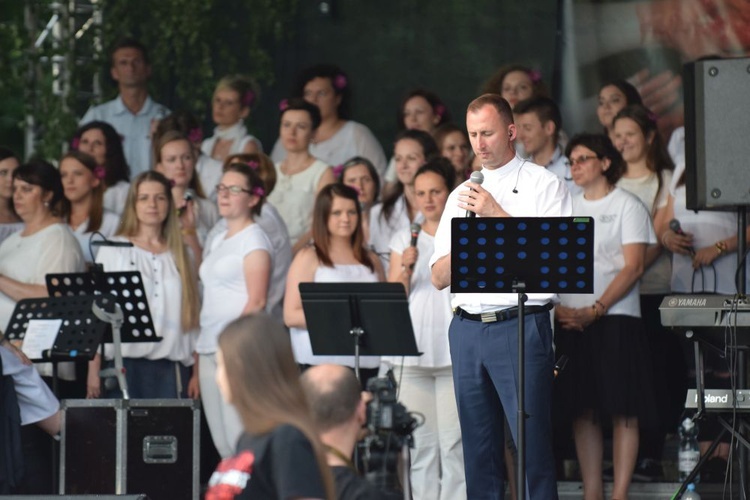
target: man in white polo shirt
<point>484,331</point>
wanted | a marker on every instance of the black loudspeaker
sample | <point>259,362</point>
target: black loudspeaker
<point>717,124</point>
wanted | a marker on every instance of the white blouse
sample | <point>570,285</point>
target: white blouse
<point>163,287</point>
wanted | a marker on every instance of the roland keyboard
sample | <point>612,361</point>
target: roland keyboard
<point>719,399</point>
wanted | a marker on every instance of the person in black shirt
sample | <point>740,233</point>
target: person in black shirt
<point>279,456</point>
<point>339,411</point>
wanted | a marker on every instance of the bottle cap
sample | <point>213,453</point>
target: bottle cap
<point>691,487</point>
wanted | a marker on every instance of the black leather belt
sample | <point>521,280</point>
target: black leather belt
<point>504,315</point>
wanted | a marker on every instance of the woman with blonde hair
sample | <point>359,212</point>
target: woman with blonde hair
<point>175,159</point>
<point>233,98</point>
<point>279,455</point>
<point>150,223</point>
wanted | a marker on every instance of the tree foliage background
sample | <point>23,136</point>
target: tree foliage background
<point>192,43</point>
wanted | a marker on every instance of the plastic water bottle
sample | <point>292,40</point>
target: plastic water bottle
<point>688,454</point>
<point>690,494</point>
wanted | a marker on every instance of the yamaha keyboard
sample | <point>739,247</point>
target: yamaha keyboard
<point>710,318</point>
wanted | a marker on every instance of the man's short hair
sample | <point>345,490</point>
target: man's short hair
<point>128,43</point>
<point>332,400</point>
<point>494,100</point>
<point>546,110</point>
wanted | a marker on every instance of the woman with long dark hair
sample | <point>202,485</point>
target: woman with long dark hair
<point>279,455</point>
<point>338,254</point>
<point>101,141</point>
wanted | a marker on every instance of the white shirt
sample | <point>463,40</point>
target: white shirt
<point>110,223</point>
<point>35,401</point>
<point>707,227</point>
<point>163,286</point>
<point>116,197</point>
<point>656,278</point>
<point>273,225</point>
<point>353,139</point>
<point>539,193</point>
<point>209,172</point>
<point>619,219</point>
<point>134,129</point>
<point>294,197</point>
<point>382,230</point>
<point>28,259</point>
<point>429,308</point>
<point>224,286</point>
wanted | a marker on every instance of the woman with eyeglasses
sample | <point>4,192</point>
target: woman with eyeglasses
<point>609,372</point>
<point>339,137</point>
<point>235,274</point>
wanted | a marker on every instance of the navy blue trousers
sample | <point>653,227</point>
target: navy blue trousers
<point>485,374</point>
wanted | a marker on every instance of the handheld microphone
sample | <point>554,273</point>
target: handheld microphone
<point>674,225</point>
<point>477,178</point>
<point>415,229</point>
<point>560,364</point>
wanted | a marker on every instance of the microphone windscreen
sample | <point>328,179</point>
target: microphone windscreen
<point>477,177</point>
<point>415,228</point>
<point>674,225</point>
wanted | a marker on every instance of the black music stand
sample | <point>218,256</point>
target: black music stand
<point>123,305</point>
<point>80,333</point>
<point>363,319</point>
<point>520,255</point>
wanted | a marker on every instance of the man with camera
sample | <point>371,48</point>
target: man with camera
<point>339,409</point>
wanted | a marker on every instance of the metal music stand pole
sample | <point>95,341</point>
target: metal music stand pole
<point>520,287</point>
<point>115,319</point>
<point>741,355</point>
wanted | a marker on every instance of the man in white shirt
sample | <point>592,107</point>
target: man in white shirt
<point>484,331</point>
<point>132,113</point>
<point>539,122</point>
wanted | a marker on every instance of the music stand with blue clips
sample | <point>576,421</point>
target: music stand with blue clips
<point>520,255</point>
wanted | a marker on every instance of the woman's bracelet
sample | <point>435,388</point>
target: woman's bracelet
<point>721,247</point>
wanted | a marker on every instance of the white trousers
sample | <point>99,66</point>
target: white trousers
<point>437,459</point>
<point>223,420</point>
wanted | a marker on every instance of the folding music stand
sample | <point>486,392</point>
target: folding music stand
<point>80,333</point>
<point>520,255</point>
<point>363,319</point>
<point>123,305</point>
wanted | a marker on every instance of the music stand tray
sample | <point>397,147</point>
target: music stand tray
<point>549,255</point>
<point>360,319</point>
<point>126,288</point>
<point>80,334</point>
